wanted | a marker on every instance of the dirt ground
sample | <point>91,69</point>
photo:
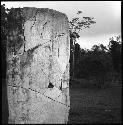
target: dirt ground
<point>95,105</point>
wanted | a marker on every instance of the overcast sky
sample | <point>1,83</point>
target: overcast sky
<point>107,15</point>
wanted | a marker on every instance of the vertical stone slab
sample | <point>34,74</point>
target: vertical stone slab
<point>39,91</point>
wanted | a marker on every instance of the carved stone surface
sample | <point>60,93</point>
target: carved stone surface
<point>38,75</point>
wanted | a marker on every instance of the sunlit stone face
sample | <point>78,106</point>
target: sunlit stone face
<point>41,84</point>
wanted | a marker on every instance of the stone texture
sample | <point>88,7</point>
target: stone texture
<point>43,59</point>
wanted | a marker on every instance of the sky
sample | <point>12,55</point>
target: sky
<point>107,15</point>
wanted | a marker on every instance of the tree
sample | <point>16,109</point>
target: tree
<point>115,51</point>
<point>99,48</point>
<point>77,51</point>
<point>103,48</point>
<point>95,48</point>
<point>75,26</point>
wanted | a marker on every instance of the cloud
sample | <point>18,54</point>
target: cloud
<point>89,41</point>
<point>106,20</point>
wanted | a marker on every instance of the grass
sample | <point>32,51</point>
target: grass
<point>93,105</point>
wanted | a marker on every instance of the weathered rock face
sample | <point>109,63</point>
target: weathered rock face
<point>38,75</point>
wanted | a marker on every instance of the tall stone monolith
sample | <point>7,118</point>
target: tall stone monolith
<point>38,73</point>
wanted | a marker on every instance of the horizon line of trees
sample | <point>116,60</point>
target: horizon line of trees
<point>99,62</point>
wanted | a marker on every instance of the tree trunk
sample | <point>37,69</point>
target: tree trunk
<point>38,75</point>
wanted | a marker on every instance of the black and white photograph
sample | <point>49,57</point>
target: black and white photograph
<point>61,62</point>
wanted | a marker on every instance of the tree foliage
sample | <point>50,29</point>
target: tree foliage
<point>77,51</point>
<point>77,24</point>
<point>100,62</point>
<point>115,51</point>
